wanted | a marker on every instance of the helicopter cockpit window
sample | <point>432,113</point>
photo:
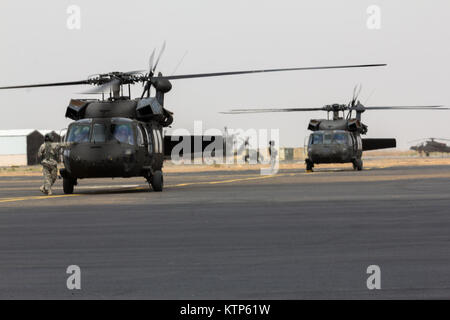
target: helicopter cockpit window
<point>340,138</point>
<point>79,133</point>
<point>98,133</point>
<point>317,138</point>
<point>123,132</point>
<point>327,138</point>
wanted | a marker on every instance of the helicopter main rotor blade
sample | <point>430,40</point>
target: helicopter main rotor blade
<point>149,77</point>
<point>418,140</point>
<point>406,108</point>
<point>55,84</point>
<point>428,140</point>
<point>240,111</point>
<point>135,72</point>
<point>219,74</point>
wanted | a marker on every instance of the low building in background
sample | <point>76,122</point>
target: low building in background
<point>286,154</point>
<point>20,147</point>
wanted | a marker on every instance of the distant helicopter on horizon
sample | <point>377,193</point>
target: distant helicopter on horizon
<point>431,145</point>
<point>339,140</point>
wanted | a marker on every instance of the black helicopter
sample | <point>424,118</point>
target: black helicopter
<point>431,145</point>
<point>339,140</point>
<point>123,137</point>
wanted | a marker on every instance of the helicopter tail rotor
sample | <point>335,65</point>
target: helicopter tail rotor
<point>356,93</point>
<point>352,104</point>
<point>159,56</point>
<point>152,69</point>
<point>150,62</point>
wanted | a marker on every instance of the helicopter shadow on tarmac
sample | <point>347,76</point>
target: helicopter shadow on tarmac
<point>327,170</point>
<point>103,190</point>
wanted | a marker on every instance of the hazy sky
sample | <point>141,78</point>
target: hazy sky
<point>37,46</point>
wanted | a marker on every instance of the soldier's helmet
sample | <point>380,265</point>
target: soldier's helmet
<point>48,137</point>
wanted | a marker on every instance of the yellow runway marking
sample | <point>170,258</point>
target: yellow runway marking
<point>141,188</point>
<point>319,178</point>
<point>223,181</point>
<point>38,198</point>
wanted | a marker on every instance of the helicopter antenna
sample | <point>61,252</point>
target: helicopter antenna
<point>369,96</point>
<point>179,63</point>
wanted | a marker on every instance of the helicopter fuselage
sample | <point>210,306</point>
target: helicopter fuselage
<point>115,138</point>
<point>334,146</point>
<point>112,147</point>
<point>431,146</point>
<point>339,141</point>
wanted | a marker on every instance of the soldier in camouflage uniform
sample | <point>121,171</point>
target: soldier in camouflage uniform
<point>49,156</point>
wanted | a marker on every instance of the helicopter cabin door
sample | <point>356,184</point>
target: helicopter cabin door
<point>356,142</point>
<point>358,145</point>
<point>141,144</point>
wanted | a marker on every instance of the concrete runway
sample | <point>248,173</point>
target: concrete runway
<point>232,235</point>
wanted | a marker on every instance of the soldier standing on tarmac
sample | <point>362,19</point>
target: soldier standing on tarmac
<point>273,155</point>
<point>48,155</point>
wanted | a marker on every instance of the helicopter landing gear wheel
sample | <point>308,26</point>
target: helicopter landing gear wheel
<point>357,164</point>
<point>157,181</point>
<point>309,165</point>
<point>68,185</point>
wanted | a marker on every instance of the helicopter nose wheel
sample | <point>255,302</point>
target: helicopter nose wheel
<point>357,164</point>
<point>157,181</point>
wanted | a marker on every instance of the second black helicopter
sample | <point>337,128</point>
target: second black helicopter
<point>338,140</point>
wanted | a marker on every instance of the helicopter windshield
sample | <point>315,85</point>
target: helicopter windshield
<point>329,138</point>
<point>123,132</point>
<point>79,133</point>
<point>340,138</point>
<point>316,138</point>
<point>98,133</point>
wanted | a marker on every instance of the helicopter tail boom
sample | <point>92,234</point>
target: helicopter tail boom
<point>376,144</point>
